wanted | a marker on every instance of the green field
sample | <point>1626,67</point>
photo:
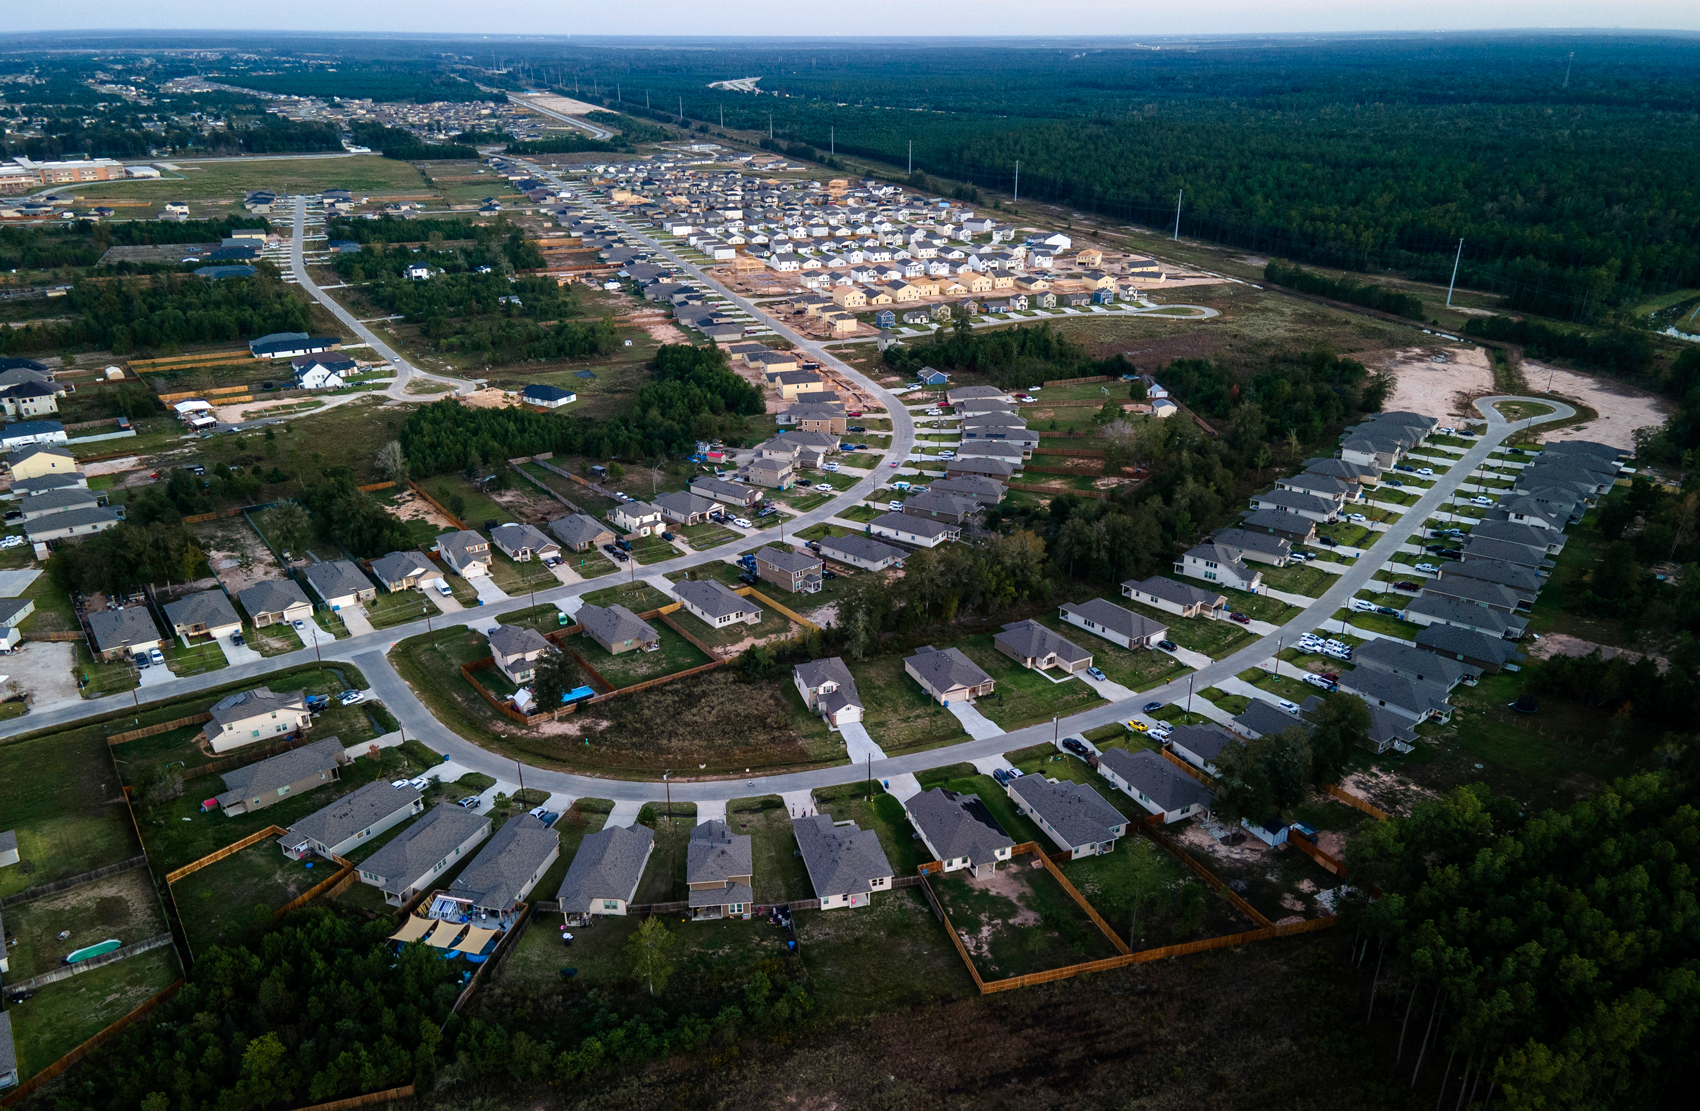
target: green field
<point>69,822</point>
<point>221,185</point>
<point>64,1015</point>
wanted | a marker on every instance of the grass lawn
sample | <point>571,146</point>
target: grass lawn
<point>222,901</point>
<point>275,639</point>
<point>1137,669</point>
<point>63,1015</point>
<point>1200,634</point>
<point>1232,703</point>
<point>965,781</point>
<point>104,678</point>
<point>898,715</point>
<point>1297,578</point>
<point>122,906</point>
<point>476,507</point>
<point>1063,766</point>
<point>780,876</point>
<point>1023,696</point>
<point>196,659</point>
<point>639,597</point>
<point>892,954</point>
<point>399,608</point>
<point>589,565</point>
<point>1281,686</point>
<point>652,549</point>
<point>1018,920</point>
<point>226,182</point>
<point>860,513</point>
<point>516,579</point>
<point>1260,607</point>
<point>675,654</point>
<point>1379,623</point>
<point>62,796</point>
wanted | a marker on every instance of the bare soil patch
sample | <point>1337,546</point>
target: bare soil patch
<point>1622,409</point>
<point>489,399</point>
<point>411,507</point>
<point>1437,389</point>
<point>1391,792</point>
<point>1562,644</point>
<point>237,554</point>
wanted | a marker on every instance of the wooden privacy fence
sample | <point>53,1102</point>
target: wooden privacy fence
<point>228,850</point>
<point>1097,495</point>
<point>366,1100</point>
<point>1205,874</point>
<point>752,592</point>
<point>437,505</point>
<point>1079,381</point>
<point>1029,468</point>
<point>374,487</point>
<point>22,1091</point>
<point>66,971</point>
<point>155,730</point>
<point>496,960</point>
<point>216,391</point>
<point>320,888</point>
<point>69,882</point>
<point>1070,452</point>
<point>1354,801</point>
<point>56,637</point>
<point>217,514</point>
<point>1188,769</point>
<point>1311,849</point>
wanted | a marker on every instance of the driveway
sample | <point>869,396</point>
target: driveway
<point>488,592</point>
<point>445,603</point>
<point>156,676</point>
<point>47,671</point>
<point>352,616</point>
<point>238,653</point>
<point>858,745</point>
<point>1106,688</point>
<point>979,726</point>
<point>14,583</point>
<point>1194,660</point>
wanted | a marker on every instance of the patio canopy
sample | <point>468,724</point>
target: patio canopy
<point>412,930</point>
<point>444,935</point>
<point>476,939</point>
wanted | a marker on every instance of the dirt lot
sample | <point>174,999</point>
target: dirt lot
<point>1437,389</point>
<point>411,507</point>
<point>1561,644</point>
<point>47,670</point>
<point>237,554</point>
<point>121,906</point>
<point>1621,409</point>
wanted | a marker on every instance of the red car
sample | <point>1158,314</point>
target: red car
<point>1241,618</point>
<point>854,413</point>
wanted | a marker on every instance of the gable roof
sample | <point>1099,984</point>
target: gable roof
<point>578,528</point>
<point>1375,686</point>
<point>409,854</point>
<point>261,700</point>
<point>281,770</point>
<point>1181,594</point>
<point>517,640</point>
<point>788,559</point>
<point>1157,779</point>
<point>464,544</point>
<point>928,527</point>
<point>615,624</point>
<point>684,502</point>
<point>1262,718</point>
<point>840,859</point>
<point>714,598</point>
<point>945,670</point>
<point>1207,741</point>
<point>514,537</point>
<point>716,853</point>
<point>608,865</point>
<point>1107,615</point>
<point>537,391</point>
<point>1263,543</point>
<point>122,628</point>
<point>1078,813</point>
<point>272,596</point>
<point>208,607</point>
<point>1031,639</point>
<point>957,825</point>
<point>352,813</point>
<point>1388,655</point>
<point>862,547</point>
<point>1468,614</point>
<point>1456,641</point>
<point>397,566</point>
<point>337,578</point>
<point>506,863</point>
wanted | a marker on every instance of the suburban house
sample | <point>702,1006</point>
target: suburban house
<point>581,532</point>
<point>829,690</point>
<point>516,650</point>
<point>1397,694</point>
<point>604,875</point>
<point>997,469</point>
<point>1177,598</point>
<point>546,397</point>
<point>980,490</point>
<point>261,784</point>
<point>322,372</point>
<point>1305,505</point>
<point>1034,646</point>
<point>716,603</point>
<point>856,550</point>
<point>846,864</point>
<point>413,859</point>
<point>72,524</point>
<point>288,345</point>
<point>1199,745</point>
<point>1074,816</point>
<point>941,507</point>
<point>120,634</point>
<point>771,474</point>
<point>340,583</point>
<point>362,814</point>
<point>523,543</point>
<point>959,831</point>
<point>1113,623</point>
<point>921,532</point>
<point>30,432</point>
<point>685,508</point>
<point>1288,526</point>
<point>1221,564</point>
<point>635,517</point>
<point>616,628</point>
<point>1257,547</point>
<point>248,716</point>
<point>1320,486</point>
<point>796,572</point>
<point>1261,718</point>
<point>13,611</point>
<point>727,493</point>
<point>507,867</point>
<point>274,600</point>
<point>1431,609</point>
<point>1403,660</point>
<point>403,570</point>
<point>42,484</point>
<point>1155,784</point>
<point>207,613</point>
<point>719,872</point>
<point>948,676</point>
<point>8,848</point>
<point>1488,654</point>
<point>467,552</point>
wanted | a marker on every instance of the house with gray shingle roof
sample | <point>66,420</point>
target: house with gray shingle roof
<point>604,875</point>
<point>1178,598</point>
<point>58,501</point>
<point>272,600</point>
<point>262,784</point>
<point>340,583</point>
<point>1409,698</point>
<point>616,628</point>
<point>260,714</point>
<point>8,1052</point>
<point>467,552</point>
<point>355,818</point>
<point>522,543</point>
<point>1219,564</point>
<point>922,532</point>
<point>1113,623</point>
<point>685,508</point>
<point>72,524</point>
<point>508,866</point>
<point>829,690</point>
<point>581,532</point>
<point>795,571</point>
<point>1290,501</point>
<point>207,613</point>
<point>1035,646</point>
<point>1199,745</point>
<point>959,831</point>
<point>948,676</point>
<point>119,634</point>
<point>422,852</point>
<point>1074,816</point>
<point>1487,654</point>
<point>846,864</point>
<point>1260,547</point>
<point>720,872</point>
<point>516,649</point>
<point>1261,718</point>
<point>856,550</point>
<point>404,570</point>
<point>716,603</point>
<point>1155,784</point>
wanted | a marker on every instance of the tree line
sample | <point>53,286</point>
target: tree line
<point>42,247</point>
<point>1009,356</point>
<point>1353,292</point>
<point>396,142</point>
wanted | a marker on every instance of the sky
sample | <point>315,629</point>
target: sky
<point>862,18</point>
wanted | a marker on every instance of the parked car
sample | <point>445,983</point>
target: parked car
<point>1428,568</point>
<point>1426,472</point>
<point>749,579</point>
<point>442,588</point>
<point>1481,501</point>
<point>894,505</point>
<point>1357,518</point>
<point>1000,775</point>
<point>1328,542</point>
<point>13,515</point>
<point>825,487</point>
<point>1316,680</point>
<point>1434,547</point>
<point>420,782</point>
<point>1167,645</point>
<point>855,428</point>
<point>471,802</point>
<point>1407,584</point>
<point>1138,726</point>
<point>623,545</point>
<point>236,639</point>
<point>609,548</point>
<point>829,467</point>
<point>1299,557</point>
<point>1290,707</point>
<point>398,784</point>
<point>1361,605</point>
<point>667,536</point>
<point>1151,707</point>
<point>893,464</point>
<point>1240,618</point>
<point>1077,747</point>
<point>1395,482</point>
<point>141,660</point>
<point>156,656</point>
<point>1388,610</point>
<point>826,574</point>
<point>1096,673</point>
<point>1452,553</point>
<point>1406,467</point>
<point>350,697</point>
<point>619,557</point>
<point>11,542</point>
<point>742,522</point>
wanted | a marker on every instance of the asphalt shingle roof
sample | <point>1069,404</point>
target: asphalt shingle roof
<point>957,826</point>
<point>608,865</point>
<point>1157,779</point>
<point>123,628</point>
<point>506,863</point>
<point>281,770</point>
<point>579,528</point>
<point>337,578</point>
<point>352,813</point>
<point>408,855</point>
<point>209,607</point>
<point>1078,813</point>
<point>713,598</point>
<point>272,596</point>
<point>943,670</point>
<point>842,860</point>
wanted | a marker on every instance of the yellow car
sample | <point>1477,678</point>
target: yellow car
<point>1138,726</point>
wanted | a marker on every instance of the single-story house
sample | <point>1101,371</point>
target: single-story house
<point>796,572</point>
<point>685,508</point>
<point>1417,664</point>
<point>208,612</point>
<point>1261,718</point>
<point>357,817</point>
<point>959,831</point>
<point>1155,784</point>
<point>288,345</point>
<point>547,397</point>
<point>977,488</point>
<point>1409,698</point>
<point>340,583</point>
<point>727,493</point>
<point>507,867</point>
<point>523,543</point>
<point>1074,816</point>
<point>719,872</point>
<point>404,570</point>
<point>272,600</point>
<point>604,875</point>
<point>26,433</point>
<point>1035,646</point>
<point>1488,654</point>
<point>1218,563</point>
<point>467,552</point>
<point>581,532</point>
<point>1430,609</point>
<point>260,714</point>
<point>616,628</point>
<point>516,650</point>
<point>856,550</point>
<point>941,507</point>
<point>1113,623</point>
<point>1177,598</point>
<point>72,524</point>
<point>716,603</point>
<point>1200,745</point>
<point>922,532</point>
<point>259,785</point>
<point>829,690</point>
<point>119,634</point>
<point>846,865</point>
<point>948,676</point>
<point>635,517</point>
<point>413,859</point>
<point>322,372</point>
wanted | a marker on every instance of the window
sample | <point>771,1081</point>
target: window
<point>281,791</point>
<point>256,732</point>
<point>610,904</point>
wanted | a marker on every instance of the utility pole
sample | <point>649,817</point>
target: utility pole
<point>1567,66</point>
<point>870,777</point>
<point>1189,690</point>
<point>1456,259</point>
<point>1016,196</point>
<point>668,783</point>
<point>722,112</point>
<point>911,156</point>
<point>770,125</point>
<point>832,140</point>
<point>646,98</point>
<point>1178,197</point>
<point>521,769</point>
<point>1279,641</point>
